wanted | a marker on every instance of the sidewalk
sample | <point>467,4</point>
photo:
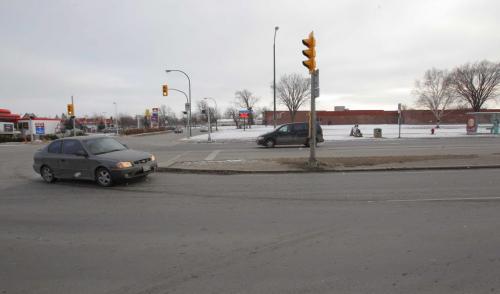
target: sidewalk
<point>336,164</point>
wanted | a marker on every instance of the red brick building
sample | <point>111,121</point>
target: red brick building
<point>349,117</point>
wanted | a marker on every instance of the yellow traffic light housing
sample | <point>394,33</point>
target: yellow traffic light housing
<point>310,52</point>
<point>165,90</point>
<point>70,110</point>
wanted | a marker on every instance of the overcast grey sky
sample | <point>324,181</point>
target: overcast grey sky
<point>369,52</point>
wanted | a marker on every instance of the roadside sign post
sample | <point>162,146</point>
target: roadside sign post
<point>244,115</point>
<point>209,126</point>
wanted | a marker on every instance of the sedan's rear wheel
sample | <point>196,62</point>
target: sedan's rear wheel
<point>47,174</point>
<point>103,177</point>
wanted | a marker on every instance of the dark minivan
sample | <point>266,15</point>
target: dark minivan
<point>290,134</point>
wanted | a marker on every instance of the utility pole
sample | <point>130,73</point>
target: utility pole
<point>399,120</point>
<point>74,116</point>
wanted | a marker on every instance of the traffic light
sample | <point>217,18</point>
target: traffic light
<point>165,90</point>
<point>70,110</point>
<point>310,53</point>
<point>203,111</point>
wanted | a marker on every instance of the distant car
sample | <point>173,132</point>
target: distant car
<point>290,134</point>
<point>178,130</point>
<point>111,130</point>
<point>101,159</point>
<point>203,129</point>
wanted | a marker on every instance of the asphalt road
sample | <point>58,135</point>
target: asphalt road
<point>170,149</point>
<point>406,232</point>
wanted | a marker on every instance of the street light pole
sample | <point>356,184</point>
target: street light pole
<point>185,95</point>
<point>215,114</point>
<point>189,102</point>
<point>274,76</point>
<point>116,117</point>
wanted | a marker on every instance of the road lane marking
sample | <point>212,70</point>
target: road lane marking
<point>212,155</point>
<point>172,160</point>
<point>439,199</point>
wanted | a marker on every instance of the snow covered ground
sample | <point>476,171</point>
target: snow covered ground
<point>341,132</point>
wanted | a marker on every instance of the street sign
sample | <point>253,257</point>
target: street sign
<point>8,128</point>
<point>154,116</point>
<point>186,106</point>
<point>40,128</point>
<point>244,113</point>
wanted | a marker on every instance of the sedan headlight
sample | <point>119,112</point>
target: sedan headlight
<point>153,158</point>
<point>124,164</point>
<point>260,138</point>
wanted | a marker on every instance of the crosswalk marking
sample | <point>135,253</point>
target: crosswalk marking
<point>212,155</point>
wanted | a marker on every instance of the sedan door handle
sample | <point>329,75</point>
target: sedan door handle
<point>63,160</point>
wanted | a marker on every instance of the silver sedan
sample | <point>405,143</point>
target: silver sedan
<point>101,159</point>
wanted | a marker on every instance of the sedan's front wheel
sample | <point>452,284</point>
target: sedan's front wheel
<point>103,177</point>
<point>47,174</point>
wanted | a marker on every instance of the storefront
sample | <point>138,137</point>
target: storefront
<point>39,126</point>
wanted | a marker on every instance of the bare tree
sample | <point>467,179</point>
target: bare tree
<point>434,92</point>
<point>293,91</point>
<point>246,99</point>
<point>127,121</point>
<point>476,83</point>
<point>232,112</point>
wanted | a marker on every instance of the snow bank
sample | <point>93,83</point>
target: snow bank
<point>341,132</point>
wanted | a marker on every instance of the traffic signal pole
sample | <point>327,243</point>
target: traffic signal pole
<point>312,142</point>
<point>310,64</point>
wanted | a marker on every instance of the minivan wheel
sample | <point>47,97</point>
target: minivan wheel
<point>47,174</point>
<point>103,177</point>
<point>270,143</point>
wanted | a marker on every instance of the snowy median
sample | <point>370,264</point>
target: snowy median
<point>341,132</point>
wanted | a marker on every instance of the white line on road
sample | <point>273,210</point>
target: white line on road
<point>440,199</point>
<point>172,160</point>
<point>212,155</point>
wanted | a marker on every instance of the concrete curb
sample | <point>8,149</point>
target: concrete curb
<point>149,134</point>
<point>384,169</point>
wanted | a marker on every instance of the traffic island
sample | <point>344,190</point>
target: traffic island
<point>336,164</point>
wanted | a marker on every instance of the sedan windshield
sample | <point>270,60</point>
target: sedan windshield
<point>103,145</point>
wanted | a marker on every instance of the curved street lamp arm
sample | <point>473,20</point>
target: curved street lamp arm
<point>177,90</point>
